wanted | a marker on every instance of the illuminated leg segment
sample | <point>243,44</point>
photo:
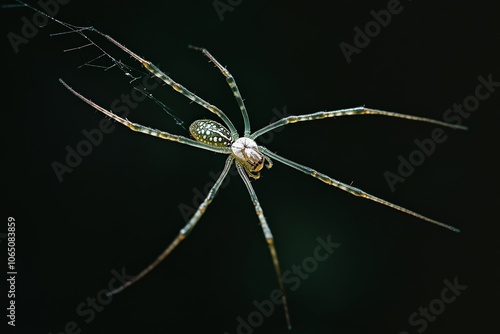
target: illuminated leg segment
<point>147,64</point>
<point>232,84</point>
<point>349,112</point>
<point>143,129</point>
<point>268,235</point>
<point>185,230</point>
<point>350,189</point>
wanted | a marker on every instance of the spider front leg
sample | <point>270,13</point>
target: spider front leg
<point>185,230</point>
<point>349,112</point>
<point>146,130</point>
<point>145,63</point>
<point>350,189</point>
<point>267,234</point>
<point>232,84</point>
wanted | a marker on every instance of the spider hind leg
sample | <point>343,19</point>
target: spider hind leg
<point>184,232</point>
<point>267,234</point>
<point>350,189</point>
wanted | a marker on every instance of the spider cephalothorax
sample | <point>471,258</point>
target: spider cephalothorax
<point>246,152</point>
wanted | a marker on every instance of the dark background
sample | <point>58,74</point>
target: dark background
<point>120,207</point>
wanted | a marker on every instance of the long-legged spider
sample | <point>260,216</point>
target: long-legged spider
<point>249,157</point>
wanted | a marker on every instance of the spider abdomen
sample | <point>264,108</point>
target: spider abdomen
<point>210,132</point>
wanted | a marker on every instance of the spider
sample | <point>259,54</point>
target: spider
<point>243,151</point>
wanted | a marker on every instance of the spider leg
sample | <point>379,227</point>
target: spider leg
<point>147,65</point>
<point>268,235</point>
<point>176,86</point>
<point>348,112</point>
<point>232,84</point>
<point>143,129</point>
<point>350,189</point>
<point>185,230</point>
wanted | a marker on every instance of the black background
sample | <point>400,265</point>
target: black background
<point>119,208</point>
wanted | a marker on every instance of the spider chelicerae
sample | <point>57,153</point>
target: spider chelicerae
<point>243,151</point>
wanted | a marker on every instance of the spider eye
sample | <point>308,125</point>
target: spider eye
<point>210,132</point>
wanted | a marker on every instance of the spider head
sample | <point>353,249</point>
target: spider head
<point>246,151</point>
